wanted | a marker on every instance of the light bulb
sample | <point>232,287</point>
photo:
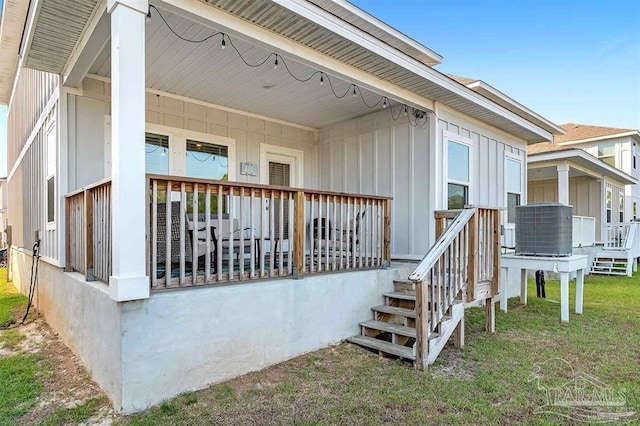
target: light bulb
<point>354,91</point>
<point>321,79</point>
<point>405,110</point>
<point>384,103</point>
<point>224,44</point>
<point>275,65</point>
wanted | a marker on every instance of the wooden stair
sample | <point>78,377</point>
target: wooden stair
<point>392,331</point>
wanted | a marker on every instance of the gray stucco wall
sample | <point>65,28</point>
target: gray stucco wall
<point>188,339</point>
<point>82,314</point>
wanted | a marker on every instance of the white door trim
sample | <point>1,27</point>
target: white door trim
<point>280,154</point>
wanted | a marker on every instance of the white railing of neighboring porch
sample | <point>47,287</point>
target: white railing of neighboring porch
<point>584,231</point>
<point>621,236</point>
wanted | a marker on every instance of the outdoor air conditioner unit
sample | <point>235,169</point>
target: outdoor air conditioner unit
<point>544,229</point>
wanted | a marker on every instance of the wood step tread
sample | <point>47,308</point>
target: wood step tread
<point>409,313</point>
<point>381,345</point>
<point>390,328</point>
<point>402,296</point>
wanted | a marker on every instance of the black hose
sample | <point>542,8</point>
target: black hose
<point>34,277</point>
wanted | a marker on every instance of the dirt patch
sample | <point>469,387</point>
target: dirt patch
<point>66,382</point>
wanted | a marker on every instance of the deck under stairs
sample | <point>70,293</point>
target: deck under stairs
<point>392,330</point>
<point>612,262</point>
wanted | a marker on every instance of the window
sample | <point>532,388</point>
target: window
<point>51,175</point>
<point>207,160</point>
<point>458,172</point>
<point>621,204</point>
<point>609,204</point>
<point>513,178</point>
<point>607,153</point>
<point>156,153</point>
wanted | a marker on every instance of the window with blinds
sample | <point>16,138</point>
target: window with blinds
<point>156,153</point>
<point>279,175</point>
<point>207,160</point>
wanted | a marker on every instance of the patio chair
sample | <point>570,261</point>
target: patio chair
<point>161,234</point>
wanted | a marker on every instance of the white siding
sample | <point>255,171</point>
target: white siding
<point>377,155</point>
<point>32,111</point>
<point>87,132</point>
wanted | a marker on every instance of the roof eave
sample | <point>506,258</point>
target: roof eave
<point>569,154</point>
<point>633,133</point>
<point>516,107</point>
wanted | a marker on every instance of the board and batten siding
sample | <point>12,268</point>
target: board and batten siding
<point>33,112</point>
<point>487,157</point>
<point>87,131</point>
<point>377,155</point>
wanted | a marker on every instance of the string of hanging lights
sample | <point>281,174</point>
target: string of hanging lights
<point>419,117</point>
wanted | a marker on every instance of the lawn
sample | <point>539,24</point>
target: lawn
<point>486,383</point>
<point>33,385</point>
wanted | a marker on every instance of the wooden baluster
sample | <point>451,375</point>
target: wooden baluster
<point>154,234</point>
<point>219,234</point>
<point>319,234</point>
<point>168,209</point>
<point>183,240</point>
<point>262,232</point>
<point>231,239</point>
<point>291,232</point>
<point>495,283</point>
<point>342,233</point>
<point>194,235</point>
<point>327,231</point>
<point>207,236</point>
<point>241,236</point>
<point>350,235</point>
<point>422,325</point>
<point>272,231</point>
<point>313,243</point>
<point>281,234</point>
<point>252,236</point>
<point>298,234</point>
<point>334,241</point>
<point>387,232</point>
<point>473,257</point>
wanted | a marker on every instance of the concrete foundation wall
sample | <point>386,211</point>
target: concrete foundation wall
<point>82,314</point>
<point>183,340</point>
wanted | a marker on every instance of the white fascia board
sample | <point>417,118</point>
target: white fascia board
<point>224,21</point>
<point>94,38</point>
<point>593,163</point>
<point>344,29</point>
<point>372,20</point>
<point>632,133</point>
<point>486,89</point>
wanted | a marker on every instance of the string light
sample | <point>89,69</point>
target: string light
<point>420,117</point>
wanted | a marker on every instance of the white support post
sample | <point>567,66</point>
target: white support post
<point>563,184</point>
<point>128,280</point>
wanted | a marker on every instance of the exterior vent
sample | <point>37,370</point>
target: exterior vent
<point>544,229</point>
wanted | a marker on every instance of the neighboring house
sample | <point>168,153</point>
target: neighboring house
<point>596,190</point>
<point>179,186</point>
<point>617,147</point>
<point>3,212</point>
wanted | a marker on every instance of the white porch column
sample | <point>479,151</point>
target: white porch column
<point>128,280</point>
<point>563,184</point>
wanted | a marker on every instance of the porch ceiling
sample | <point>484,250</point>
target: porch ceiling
<point>209,73</point>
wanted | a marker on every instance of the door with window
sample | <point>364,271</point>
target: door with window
<point>280,175</point>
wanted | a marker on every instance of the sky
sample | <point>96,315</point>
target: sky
<point>572,61</point>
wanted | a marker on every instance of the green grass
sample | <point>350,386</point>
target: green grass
<point>20,387</point>
<point>485,383</point>
<point>11,338</point>
<point>11,302</point>
<point>74,415</point>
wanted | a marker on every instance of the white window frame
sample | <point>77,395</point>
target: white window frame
<point>52,131</point>
<point>455,138</point>
<point>177,151</point>
<point>608,208</point>
<point>509,156</point>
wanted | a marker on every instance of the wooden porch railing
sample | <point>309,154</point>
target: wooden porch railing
<point>465,257</point>
<point>207,232</point>
<point>88,231</point>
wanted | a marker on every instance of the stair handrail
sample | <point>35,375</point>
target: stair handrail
<point>437,269</point>
<point>444,241</point>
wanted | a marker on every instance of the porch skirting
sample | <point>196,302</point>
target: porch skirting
<point>143,352</point>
